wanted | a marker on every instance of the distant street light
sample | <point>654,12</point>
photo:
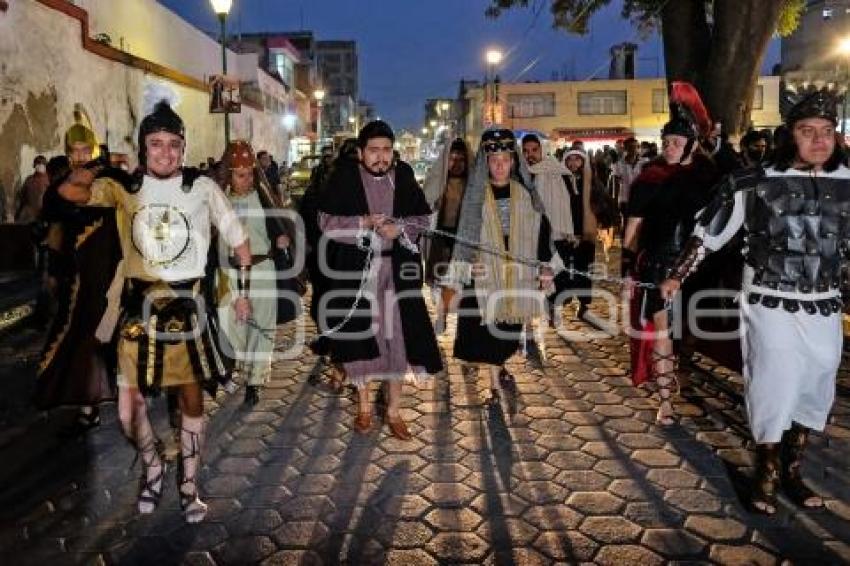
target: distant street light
<point>424,131</point>
<point>222,8</point>
<point>433,123</point>
<point>493,57</point>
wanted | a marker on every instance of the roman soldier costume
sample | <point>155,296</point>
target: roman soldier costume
<point>664,199</point>
<point>797,238</point>
<point>165,338</point>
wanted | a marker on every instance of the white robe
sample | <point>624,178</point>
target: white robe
<point>790,359</point>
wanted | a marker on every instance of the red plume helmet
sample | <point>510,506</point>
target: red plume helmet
<point>685,102</point>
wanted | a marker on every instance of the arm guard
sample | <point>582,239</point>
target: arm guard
<point>689,260</point>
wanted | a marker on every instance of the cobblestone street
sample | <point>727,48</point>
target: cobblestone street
<point>570,469</point>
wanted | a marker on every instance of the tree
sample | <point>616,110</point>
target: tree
<point>718,45</point>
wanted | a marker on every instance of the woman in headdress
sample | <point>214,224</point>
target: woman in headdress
<point>269,236</point>
<point>500,294</point>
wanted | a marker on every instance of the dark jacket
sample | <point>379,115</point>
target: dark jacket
<point>350,200</point>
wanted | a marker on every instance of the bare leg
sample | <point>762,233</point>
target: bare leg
<point>191,444</point>
<point>133,415</point>
<point>394,421</point>
<point>444,308</point>
<point>364,406</point>
<point>363,420</point>
<point>664,369</point>
<point>394,390</point>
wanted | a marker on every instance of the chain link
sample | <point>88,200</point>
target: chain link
<point>532,262</point>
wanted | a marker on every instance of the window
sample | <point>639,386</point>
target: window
<point>659,101</point>
<point>531,105</point>
<point>284,67</point>
<point>602,102</point>
<point>827,13</point>
<point>758,98</point>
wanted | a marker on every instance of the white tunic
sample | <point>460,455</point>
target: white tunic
<point>165,230</point>
<point>790,359</point>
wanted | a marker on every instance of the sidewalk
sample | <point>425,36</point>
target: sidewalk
<point>571,469</point>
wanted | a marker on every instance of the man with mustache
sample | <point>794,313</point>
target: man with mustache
<point>376,204</point>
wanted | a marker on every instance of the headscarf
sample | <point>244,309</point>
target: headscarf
<point>469,223</point>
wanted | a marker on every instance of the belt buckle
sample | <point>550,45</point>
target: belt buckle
<point>133,331</point>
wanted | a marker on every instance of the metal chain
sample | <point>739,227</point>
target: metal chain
<point>369,248</point>
<point>431,232</point>
<point>532,262</point>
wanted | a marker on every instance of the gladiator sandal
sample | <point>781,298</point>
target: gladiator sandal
<point>666,416</point>
<point>194,510</point>
<point>793,446</point>
<point>766,479</point>
<point>150,488</point>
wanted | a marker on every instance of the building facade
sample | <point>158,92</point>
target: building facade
<point>598,112</point>
<point>338,69</point>
<point>53,70</point>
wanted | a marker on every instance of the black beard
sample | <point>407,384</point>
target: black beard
<point>376,173</point>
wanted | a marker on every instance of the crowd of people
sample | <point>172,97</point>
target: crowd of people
<point>505,237</point>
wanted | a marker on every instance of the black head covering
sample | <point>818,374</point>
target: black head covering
<point>458,145</point>
<point>375,129</point>
<point>680,123</point>
<point>527,138</point>
<point>162,119</point>
<point>818,104</point>
<point>498,140</point>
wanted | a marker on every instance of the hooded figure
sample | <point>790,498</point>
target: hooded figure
<point>793,216</point>
<point>501,277</point>
<point>579,251</point>
<point>444,189</point>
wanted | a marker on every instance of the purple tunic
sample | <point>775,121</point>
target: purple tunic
<point>391,364</point>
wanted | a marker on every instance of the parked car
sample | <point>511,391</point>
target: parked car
<point>299,177</point>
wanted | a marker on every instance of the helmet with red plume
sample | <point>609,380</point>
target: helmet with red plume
<point>688,115</point>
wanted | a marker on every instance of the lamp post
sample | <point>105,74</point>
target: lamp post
<point>319,95</point>
<point>222,8</point>
<point>493,57</point>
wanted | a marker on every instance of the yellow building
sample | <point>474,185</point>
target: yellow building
<point>598,112</point>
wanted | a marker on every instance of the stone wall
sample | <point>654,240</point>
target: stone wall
<point>46,74</point>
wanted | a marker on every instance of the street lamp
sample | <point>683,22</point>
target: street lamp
<point>493,57</point>
<point>319,95</point>
<point>222,8</point>
<point>424,131</point>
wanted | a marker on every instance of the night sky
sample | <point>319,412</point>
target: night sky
<point>410,50</point>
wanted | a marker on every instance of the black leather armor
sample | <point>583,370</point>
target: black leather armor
<point>797,235</point>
